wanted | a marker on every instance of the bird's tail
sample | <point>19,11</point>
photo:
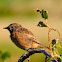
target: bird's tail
<point>43,46</point>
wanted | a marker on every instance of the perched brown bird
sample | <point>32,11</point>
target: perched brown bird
<point>23,38</point>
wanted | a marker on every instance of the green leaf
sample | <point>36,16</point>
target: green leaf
<point>44,14</point>
<point>54,41</point>
<point>58,46</point>
<point>41,24</point>
<point>53,49</point>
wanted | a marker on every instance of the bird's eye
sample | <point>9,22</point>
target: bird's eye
<point>11,27</point>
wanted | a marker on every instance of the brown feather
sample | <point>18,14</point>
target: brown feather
<point>23,38</point>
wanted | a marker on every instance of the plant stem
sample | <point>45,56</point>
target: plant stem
<point>51,52</point>
<point>46,21</point>
<point>49,38</point>
<point>50,42</point>
<point>31,52</point>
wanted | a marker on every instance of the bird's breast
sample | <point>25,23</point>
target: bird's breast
<point>19,40</point>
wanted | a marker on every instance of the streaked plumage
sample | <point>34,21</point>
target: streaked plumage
<point>23,38</point>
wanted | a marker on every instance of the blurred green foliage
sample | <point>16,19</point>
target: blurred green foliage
<point>7,8</point>
<point>5,55</point>
<point>24,7</point>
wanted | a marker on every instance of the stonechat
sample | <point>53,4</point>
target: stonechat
<point>23,38</point>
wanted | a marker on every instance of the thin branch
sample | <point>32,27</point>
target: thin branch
<point>49,42</point>
<point>31,52</point>
<point>56,31</point>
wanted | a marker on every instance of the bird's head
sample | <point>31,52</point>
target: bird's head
<point>13,27</point>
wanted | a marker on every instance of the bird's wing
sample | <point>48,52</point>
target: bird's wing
<point>32,38</point>
<point>28,35</point>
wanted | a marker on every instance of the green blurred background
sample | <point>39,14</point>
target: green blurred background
<point>24,13</point>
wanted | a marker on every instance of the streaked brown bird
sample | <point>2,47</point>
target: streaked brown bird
<point>23,38</point>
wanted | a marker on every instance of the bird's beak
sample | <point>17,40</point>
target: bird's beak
<point>5,28</point>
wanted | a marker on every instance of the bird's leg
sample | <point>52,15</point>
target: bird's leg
<point>28,59</point>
